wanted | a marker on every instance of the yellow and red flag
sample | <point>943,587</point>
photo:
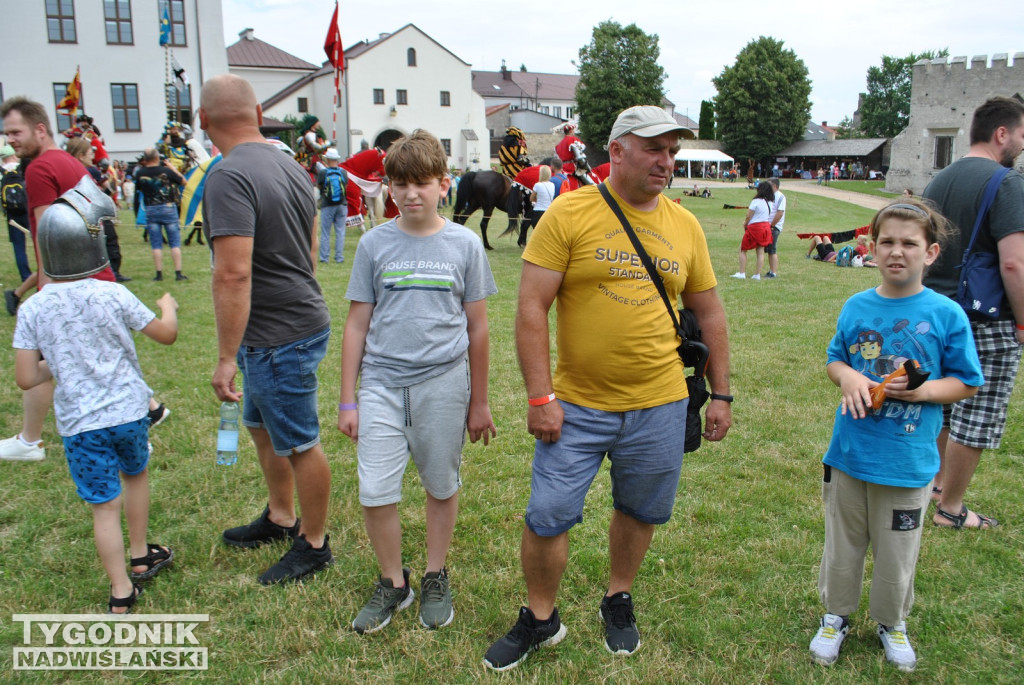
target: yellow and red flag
<point>73,95</point>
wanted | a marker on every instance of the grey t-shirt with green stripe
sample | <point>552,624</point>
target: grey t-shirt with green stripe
<point>418,286</point>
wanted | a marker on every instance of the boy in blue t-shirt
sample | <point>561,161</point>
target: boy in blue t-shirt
<point>880,462</point>
<point>417,338</point>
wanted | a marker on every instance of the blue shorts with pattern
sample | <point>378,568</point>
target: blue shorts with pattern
<point>644,446</point>
<point>97,457</point>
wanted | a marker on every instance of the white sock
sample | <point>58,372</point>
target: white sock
<point>24,442</point>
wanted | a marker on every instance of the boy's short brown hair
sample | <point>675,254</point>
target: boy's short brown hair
<point>417,157</point>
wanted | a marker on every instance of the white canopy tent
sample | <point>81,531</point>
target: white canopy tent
<point>705,157</point>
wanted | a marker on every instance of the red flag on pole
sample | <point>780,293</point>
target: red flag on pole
<point>72,95</point>
<point>332,45</point>
<point>336,55</point>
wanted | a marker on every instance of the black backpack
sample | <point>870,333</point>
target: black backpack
<point>12,193</point>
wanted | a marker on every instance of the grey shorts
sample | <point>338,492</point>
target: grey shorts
<point>774,247</point>
<point>427,420</point>
<point>979,421</point>
<point>644,446</point>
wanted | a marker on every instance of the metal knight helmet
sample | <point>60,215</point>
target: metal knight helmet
<point>71,240</point>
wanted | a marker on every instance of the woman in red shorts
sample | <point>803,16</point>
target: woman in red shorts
<point>757,232</point>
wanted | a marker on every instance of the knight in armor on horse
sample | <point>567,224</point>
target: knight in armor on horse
<point>311,146</point>
<point>570,150</point>
<point>512,153</point>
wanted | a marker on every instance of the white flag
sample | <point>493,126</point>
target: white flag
<point>180,77</point>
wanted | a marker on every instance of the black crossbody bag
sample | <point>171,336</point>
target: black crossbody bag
<point>692,351</point>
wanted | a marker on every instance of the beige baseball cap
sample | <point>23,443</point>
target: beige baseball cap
<point>646,121</point>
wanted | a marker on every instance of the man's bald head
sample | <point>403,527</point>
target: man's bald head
<point>229,100</point>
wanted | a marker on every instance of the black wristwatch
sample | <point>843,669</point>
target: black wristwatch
<point>724,398</point>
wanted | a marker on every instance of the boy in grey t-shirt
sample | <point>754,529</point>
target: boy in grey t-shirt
<point>417,335</point>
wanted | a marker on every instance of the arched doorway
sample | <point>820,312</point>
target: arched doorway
<point>385,138</point>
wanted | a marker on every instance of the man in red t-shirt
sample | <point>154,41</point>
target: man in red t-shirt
<point>51,173</point>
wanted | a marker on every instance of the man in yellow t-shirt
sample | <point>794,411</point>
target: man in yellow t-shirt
<point>618,388</point>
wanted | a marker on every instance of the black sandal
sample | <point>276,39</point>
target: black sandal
<point>156,558</point>
<point>126,602</point>
<point>984,522</point>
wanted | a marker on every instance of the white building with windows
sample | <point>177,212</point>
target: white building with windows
<point>124,70</point>
<point>392,85</point>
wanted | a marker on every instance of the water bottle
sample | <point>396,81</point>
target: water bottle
<point>227,435</point>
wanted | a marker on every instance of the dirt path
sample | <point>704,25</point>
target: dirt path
<point>810,187</point>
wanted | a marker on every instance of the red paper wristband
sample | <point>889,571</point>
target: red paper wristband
<point>541,401</point>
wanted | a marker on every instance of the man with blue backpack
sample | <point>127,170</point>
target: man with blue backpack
<point>332,182</point>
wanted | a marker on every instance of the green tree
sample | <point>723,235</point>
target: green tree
<point>763,102</point>
<point>886,107</point>
<point>706,130</point>
<point>618,69</point>
<point>846,129</point>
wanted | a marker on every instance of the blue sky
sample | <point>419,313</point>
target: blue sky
<point>837,41</point>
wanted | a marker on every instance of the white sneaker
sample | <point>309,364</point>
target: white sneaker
<point>756,277</point>
<point>13,449</point>
<point>739,274</point>
<point>829,638</point>
<point>898,651</point>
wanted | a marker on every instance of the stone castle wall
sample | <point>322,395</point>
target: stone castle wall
<point>944,95</point>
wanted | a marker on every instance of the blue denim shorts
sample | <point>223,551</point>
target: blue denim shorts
<point>644,446</point>
<point>96,457</point>
<point>280,391</point>
<point>165,216</point>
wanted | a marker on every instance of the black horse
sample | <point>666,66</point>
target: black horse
<point>487,190</point>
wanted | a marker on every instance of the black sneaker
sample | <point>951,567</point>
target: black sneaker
<point>300,561</point>
<point>121,278</point>
<point>12,301</point>
<point>157,416</point>
<point>180,277</point>
<point>527,635</point>
<point>260,532</point>
<point>620,633</point>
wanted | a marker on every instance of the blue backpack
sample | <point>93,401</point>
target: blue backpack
<point>845,257</point>
<point>334,185</point>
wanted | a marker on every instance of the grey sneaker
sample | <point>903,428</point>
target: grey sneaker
<point>898,650</point>
<point>620,633</point>
<point>527,635</point>
<point>436,609</point>
<point>829,638</point>
<point>386,600</point>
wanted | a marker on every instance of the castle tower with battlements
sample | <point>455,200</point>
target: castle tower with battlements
<point>944,95</point>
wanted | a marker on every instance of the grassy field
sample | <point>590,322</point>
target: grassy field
<point>727,593</point>
<point>866,187</point>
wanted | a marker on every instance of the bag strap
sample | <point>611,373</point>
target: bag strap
<point>644,258</point>
<point>986,203</point>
